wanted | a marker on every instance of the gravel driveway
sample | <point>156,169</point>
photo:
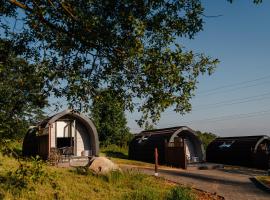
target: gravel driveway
<point>233,184</point>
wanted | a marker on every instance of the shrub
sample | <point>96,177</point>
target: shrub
<point>143,194</point>
<point>115,151</point>
<point>180,193</point>
<point>26,176</point>
<point>112,177</point>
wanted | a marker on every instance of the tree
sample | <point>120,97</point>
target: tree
<point>206,137</point>
<point>108,113</point>
<point>21,96</point>
<point>129,47</point>
<point>149,127</point>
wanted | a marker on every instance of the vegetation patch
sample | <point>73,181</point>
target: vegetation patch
<point>119,155</point>
<point>115,151</point>
<point>179,193</point>
<point>40,181</point>
<point>34,179</point>
<point>265,180</point>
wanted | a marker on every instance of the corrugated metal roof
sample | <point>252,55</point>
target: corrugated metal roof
<point>169,131</point>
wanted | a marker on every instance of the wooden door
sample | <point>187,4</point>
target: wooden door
<point>175,153</point>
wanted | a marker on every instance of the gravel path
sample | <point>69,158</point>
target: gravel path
<point>233,184</point>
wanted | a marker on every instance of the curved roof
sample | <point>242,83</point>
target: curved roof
<point>242,151</point>
<point>237,142</point>
<point>143,144</point>
<point>85,120</point>
<point>169,133</point>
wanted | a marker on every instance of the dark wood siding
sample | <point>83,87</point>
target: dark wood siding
<point>240,151</point>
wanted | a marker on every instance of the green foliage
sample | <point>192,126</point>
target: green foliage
<point>129,47</point>
<point>180,193</point>
<point>206,138</point>
<point>26,174</point>
<point>114,176</point>
<point>10,148</point>
<point>58,183</point>
<point>149,126</point>
<point>143,194</point>
<point>108,113</point>
<point>115,151</point>
<point>20,92</point>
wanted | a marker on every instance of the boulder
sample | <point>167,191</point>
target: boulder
<point>102,165</point>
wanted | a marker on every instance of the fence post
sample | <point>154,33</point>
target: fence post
<point>156,162</point>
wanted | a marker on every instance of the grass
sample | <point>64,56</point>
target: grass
<point>265,180</point>
<point>49,182</point>
<point>64,183</point>
<point>179,193</point>
<point>120,156</point>
<point>115,151</point>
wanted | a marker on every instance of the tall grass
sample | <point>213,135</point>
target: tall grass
<point>115,151</point>
<point>180,193</point>
<point>41,181</point>
<point>67,184</point>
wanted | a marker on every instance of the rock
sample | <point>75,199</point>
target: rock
<point>79,162</point>
<point>102,165</point>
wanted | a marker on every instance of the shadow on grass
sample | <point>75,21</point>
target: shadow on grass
<point>11,183</point>
<point>115,154</point>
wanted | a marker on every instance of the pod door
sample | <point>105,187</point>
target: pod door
<point>65,134</point>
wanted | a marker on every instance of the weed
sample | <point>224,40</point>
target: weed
<point>143,194</point>
<point>115,176</point>
<point>180,193</point>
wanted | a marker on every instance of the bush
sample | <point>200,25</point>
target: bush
<point>143,194</point>
<point>180,193</point>
<point>115,151</point>
<point>113,177</point>
<point>26,176</point>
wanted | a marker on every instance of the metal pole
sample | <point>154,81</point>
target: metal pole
<point>156,162</point>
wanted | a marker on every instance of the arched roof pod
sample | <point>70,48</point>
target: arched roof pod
<point>85,120</point>
<point>250,151</point>
<point>72,133</point>
<point>143,144</point>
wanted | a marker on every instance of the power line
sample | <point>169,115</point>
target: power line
<point>228,117</point>
<point>235,84</point>
<point>234,101</point>
<point>227,103</point>
<point>232,89</point>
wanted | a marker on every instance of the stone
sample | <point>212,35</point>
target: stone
<point>102,165</point>
<point>79,162</point>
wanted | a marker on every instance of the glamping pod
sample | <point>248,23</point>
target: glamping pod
<point>68,132</point>
<point>250,151</point>
<point>176,146</point>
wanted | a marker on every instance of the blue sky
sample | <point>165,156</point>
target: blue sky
<point>240,39</point>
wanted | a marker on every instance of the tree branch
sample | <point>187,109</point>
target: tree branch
<point>20,5</point>
<point>68,12</point>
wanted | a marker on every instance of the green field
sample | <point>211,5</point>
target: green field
<point>38,180</point>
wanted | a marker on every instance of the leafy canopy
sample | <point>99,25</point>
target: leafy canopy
<point>108,113</point>
<point>130,47</point>
<point>206,138</point>
<point>21,94</point>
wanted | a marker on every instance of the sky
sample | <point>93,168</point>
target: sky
<point>235,100</point>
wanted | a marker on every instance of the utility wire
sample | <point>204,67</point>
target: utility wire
<point>230,90</point>
<point>227,117</point>
<point>226,103</point>
<point>233,102</point>
<point>236,84</point>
